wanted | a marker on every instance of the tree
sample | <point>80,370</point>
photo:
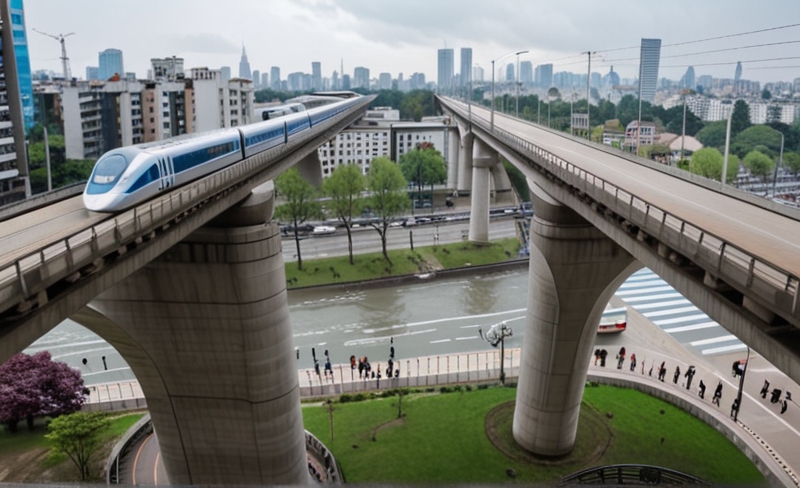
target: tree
<point>740,120</point>
<point>759,164</point>
<point>757,135</point>
<point>344,187</point>
<point>713,134</point>
<point>32,386</point>
<point>792,162</point>
<point>765,94</point>
<point>80,437</point>
<point>301,204</point>
<point>708,162</point>
<point>423,165</point>
<point>387,185</point>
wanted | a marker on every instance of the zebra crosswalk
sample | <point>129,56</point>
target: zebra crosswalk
<point>652,297</point>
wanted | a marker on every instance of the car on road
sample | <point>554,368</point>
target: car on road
<point>613,320</point>
<point>322,230</point>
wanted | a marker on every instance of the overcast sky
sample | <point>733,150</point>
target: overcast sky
<point>403,36</point>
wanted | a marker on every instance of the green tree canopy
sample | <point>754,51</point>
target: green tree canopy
<point>344,187</point>
<point>740,120</point>
<point>759,165</point>
<point>791,160</point>
<point>757,135</point>
<point>765,94</point>
<point>422,166</point>
<point>713,134</point>
<point>80,437</point>
<point>708,161</point>
<point>301,204</point>
<point>388,197</point>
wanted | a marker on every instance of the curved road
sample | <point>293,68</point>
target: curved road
<point>771,237</point>
<point>143,466</point>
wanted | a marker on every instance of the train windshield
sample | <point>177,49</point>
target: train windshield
<point>108,169</point>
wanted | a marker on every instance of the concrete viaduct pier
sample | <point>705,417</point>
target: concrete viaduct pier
<point>206,330</point>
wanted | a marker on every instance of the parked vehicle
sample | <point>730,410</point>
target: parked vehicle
<point>322,230</point>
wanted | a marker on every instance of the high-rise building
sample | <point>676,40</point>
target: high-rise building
<point>14,183</point>
<point>477,73</point>
<point>220,103</point>
<point>316,76</point>
<point>275,78</point>
<point>92,73</point>
<point>256,79</point>
<point>611,79</point>
<point>688,79</point>
<point>543,75</point>
<point>385,81</point>
<point>346,82</point>
<point>649,59</point>
<point>361,77</point>
<point>110,64</point>
<point>335,83</point>
<point>244,66</point>
<point>170,69</point>
<point>225,72</point>
<point>445,74</point>
<point>737,78</point>
<point>264,80</point>
<point>526,72</point>
<point>294,81</point>
<point>466,67</point>
<point>510,72</point>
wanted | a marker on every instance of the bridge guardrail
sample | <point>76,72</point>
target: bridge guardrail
<point>723,259</point>
<point>22,278</point>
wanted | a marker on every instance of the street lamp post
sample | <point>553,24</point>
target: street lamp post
<point>491,116</point>
<point>497,334</point>
<point>727,148</point>
<point>775,178</point>
<point>741,386</point>
<point>516,111</point>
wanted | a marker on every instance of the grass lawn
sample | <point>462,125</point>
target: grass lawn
<point>404,262</point>
<point>443,438</point>
<point>25,456</point>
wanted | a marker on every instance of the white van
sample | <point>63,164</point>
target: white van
<point>322,230</point>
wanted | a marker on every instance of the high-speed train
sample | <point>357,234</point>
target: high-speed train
<point>124,177</point>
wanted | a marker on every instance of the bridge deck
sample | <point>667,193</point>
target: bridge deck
<point>769,236</point>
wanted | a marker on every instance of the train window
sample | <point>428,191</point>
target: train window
<point>109,169</point>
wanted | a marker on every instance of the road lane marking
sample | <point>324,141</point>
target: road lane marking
<point>713,340</point>
<point>136,459</point>
<point>686,328</point>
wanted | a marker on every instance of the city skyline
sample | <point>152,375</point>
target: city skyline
<point>393,38</point>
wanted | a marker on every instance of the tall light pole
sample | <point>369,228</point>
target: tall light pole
<point>497,334</point>
<point>683,130</point>
<point>491,116</point>
<point>516,111</point>
<point>588,93</point>
<point>741,386</point>
<point>780,160</point>
<point>727,147</point>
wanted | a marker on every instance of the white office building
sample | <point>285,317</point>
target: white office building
<point>219,104</point>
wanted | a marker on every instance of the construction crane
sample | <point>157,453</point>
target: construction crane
<point>64,59</point>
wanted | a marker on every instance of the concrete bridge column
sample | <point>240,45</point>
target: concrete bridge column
<point>310,168</point>
<point>465,161</point>
<point>206,330</point>
<point>500,177</point>
<point>483,159</point>
<point>453,148</point>
<point>574,271</point>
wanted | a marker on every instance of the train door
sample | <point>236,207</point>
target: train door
<point>166,173</point>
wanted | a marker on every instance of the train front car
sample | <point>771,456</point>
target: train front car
<point>112,177</point>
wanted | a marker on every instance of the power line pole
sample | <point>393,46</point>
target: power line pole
<point>588,93</point>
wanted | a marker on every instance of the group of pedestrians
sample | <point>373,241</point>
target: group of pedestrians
<point>775,396</point>
<point>661,373</point>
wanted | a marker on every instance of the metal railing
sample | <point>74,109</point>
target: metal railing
<point>723,259</point>
<point>631,474</point>
<point>26,275</point>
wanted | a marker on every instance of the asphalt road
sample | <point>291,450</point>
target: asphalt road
<point>144,465</point>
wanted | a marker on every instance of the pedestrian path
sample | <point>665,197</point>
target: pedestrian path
<point>651,296</point>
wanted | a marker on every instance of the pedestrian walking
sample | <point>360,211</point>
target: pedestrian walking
<point>620,357</point>
<point>717,394</point>
<point>784,406</point>
<point>603,355</point>
<point>676,375</point>
<point>776,395</point>
<point>596,356</point>
<point>689,375</point>
<point>662,371</point>
<point>765,389</point>
<point>633,362</point>
<point>734,407</point>
<point>702,392</point>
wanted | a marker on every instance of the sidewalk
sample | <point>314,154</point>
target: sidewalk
<point>769,438</point>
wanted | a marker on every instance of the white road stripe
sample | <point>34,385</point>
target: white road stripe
<point>713,340</point>
<point>723,349</point>
<point>646,306</point>
<point>650,298</point>
<point>672,311</point>
<point>680,319</point>
<point>636,284</point>
<point>686,328</point>
<point>440,340</point>
<point>645,290</point>
<point>466,338</point>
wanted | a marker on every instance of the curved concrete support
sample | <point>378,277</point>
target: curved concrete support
<point>500,177</point>
<point>310,168</point>
<point>465,162</point>
<point>483,159</point>
<point>453,148</point>
<point>574,271</point>
<point>206,330</point>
